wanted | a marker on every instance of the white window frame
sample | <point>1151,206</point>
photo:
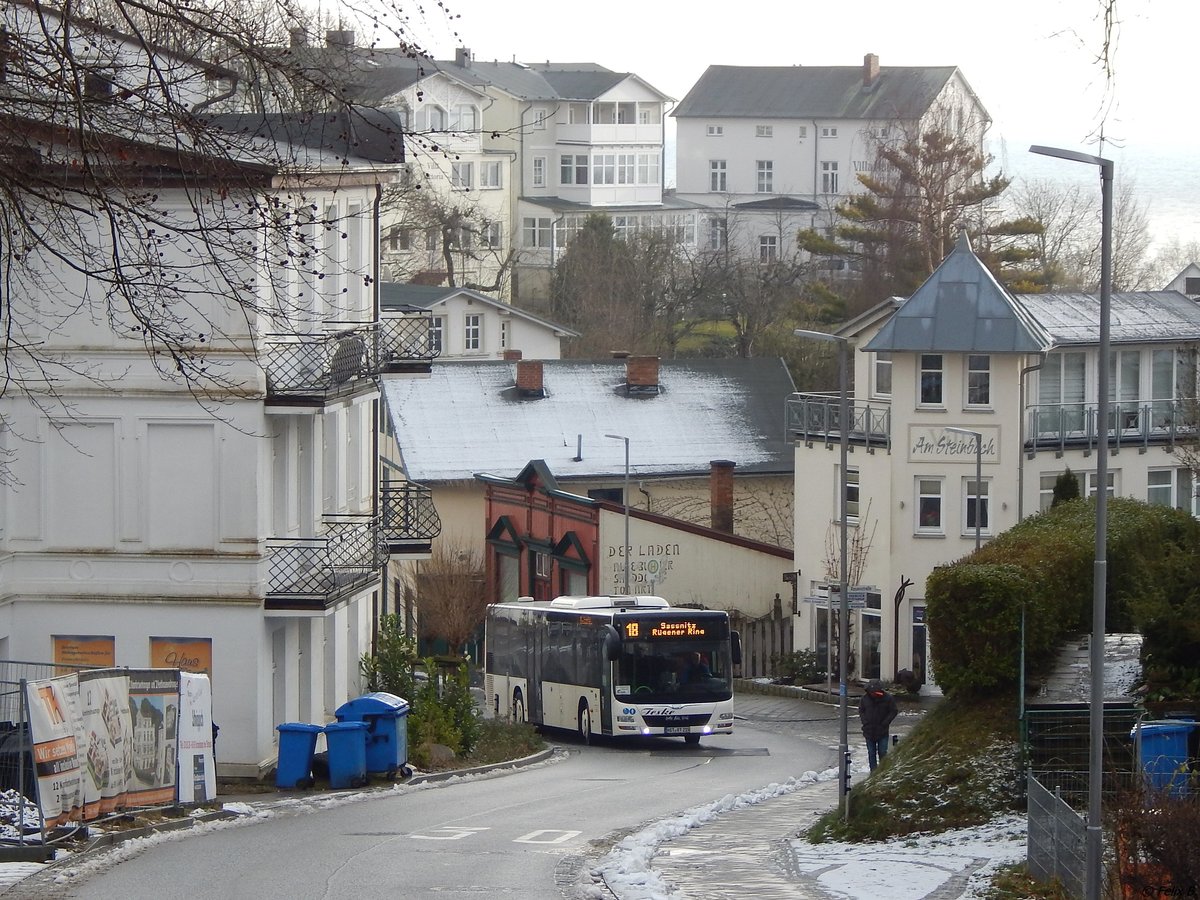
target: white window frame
<point>718,233</point>
<point>881,373</point>
<point>626,168</point>
<point>1046,483</point>
<point>572,167</point>
<point>472,332</point>
<point>604,168</point>
<point>1091,484</point>
<point>853,494</point>
<point>492,235</point>
<point>462,175</point>
<point>764,131</point>
<point>491,175</point>
<point>504,323</point>
<point>437,334</point>
<point>536,231</point>
<point>828,131</point>
<point>803,132</point>
<point>539,119</point>
<point>539,171</point>
<point>718,176</point>
<point>768,248</point>
<point>715,131</point>
<point>830,181</point>
<point>765,183</point>
<point>925,363</point>
<point>647,168</point>
<point>929,488</point>
<point>464,118</point>
<point>978,383</point>
<point>1173,487</point>
<point>984,501</point>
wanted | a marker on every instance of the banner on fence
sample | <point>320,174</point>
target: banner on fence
<point>197,765</point>
<point>56,749</point>
<point>106,738</point>
<point>154,706</point>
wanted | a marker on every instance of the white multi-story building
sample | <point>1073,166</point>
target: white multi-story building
<point>963,357</point>
<point>770,150</point>
<point>232,521</point>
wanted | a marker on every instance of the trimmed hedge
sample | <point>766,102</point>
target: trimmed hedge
<point>1045,566</point>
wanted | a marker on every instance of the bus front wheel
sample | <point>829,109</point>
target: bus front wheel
<point>585,723</point>
<point>691,739</point>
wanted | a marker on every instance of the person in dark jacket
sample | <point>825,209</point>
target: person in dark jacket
<point>876,710</point>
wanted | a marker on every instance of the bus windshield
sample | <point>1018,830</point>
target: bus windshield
<point>673,671</point>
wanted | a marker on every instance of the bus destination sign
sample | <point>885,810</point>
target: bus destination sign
<point>652,629</point>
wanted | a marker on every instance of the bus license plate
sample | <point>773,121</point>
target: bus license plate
<point>677,729</point>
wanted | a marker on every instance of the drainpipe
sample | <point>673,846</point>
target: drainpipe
<point>1021,441</point>
<point>816,148</point>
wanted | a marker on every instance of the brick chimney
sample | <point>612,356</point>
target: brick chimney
<point>512,355</point>
<point>641,375</point>
<point>721,494</point>
<point>529,379</point>
<point>340,39</point>
<point>462,57</point>
<point>870,70</point>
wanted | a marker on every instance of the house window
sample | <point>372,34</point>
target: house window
<point>803,132</point>
<point>399,238</point>
<point>1124,383</point>
<point>539,171</point>
<point>1171,487</point>
<point>604,168</point>
<point>764,131</point>
<point>715,130</point>
<point>975,503</point>
<point>829,131</point>
<point>464,118</point>
<point>931,379</point>
<point>1061,388</point>
<point>1046,489</point>
<point>539,119</point>
<point>626,168</point>
<point>437,331</point>
<point>1111,478</point>
<point>852,488</point>
<point>462,175</point>
<point>929,505</point>
<point>643,115</point>
<point>979,380</point>
<point>493,236</point>
<point>718,235</point>
<point>579,113</point>
<point>829,178</point>
<point>883,373</point>
<point>504,323</point>
<point>768,248</point>
<point>1191,285</point>
<point>490,175</point>
<point>573,168</point>
<point>431,239</point>
<point>434,118</point>
<point>647,172</point>
<point>472,332</point>
<point>765,176</point>
<point>535,232</point>
<point>717,175</point>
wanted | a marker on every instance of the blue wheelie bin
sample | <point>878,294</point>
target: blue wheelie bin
<point>347,743</point>
<point>386,718</point>
<point>297,743</point>
<point>1162,748</point>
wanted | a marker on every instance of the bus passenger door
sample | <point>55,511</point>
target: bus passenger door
<point>534,683</point>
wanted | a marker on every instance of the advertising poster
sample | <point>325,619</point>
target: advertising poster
<point>186,653</point>
<point>154,711</point>
<point>55,748</point>
<point>84,650</point>
<point>107,740</point>
<point>197,765</point>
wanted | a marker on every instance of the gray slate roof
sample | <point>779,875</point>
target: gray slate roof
<point>961,308</point>
<point>813,92</point>
<point>466,419</point>
<point>1135,317</point>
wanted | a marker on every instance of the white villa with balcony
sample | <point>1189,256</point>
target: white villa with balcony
<point>770,150</point>
<point>240,513</point>
<point>964,355</point>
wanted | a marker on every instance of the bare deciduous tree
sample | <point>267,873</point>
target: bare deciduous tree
<point>450,590</point>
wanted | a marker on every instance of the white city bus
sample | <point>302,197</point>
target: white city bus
<point>618,665</point>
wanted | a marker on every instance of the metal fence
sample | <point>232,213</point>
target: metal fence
<point>1056,845</point>
<point>1058,742</point>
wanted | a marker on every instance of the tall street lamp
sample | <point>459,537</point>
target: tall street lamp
<point>625,496</point>
<point>843,586</point>
<point>978,474</point>
<point>1095,836</point>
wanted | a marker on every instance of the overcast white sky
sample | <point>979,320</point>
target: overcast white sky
<point>1032,62</point>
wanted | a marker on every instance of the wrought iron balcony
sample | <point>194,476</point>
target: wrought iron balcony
<point>410,521</point>
<point>344,358</point>
<point>1076,426</point>
<point>817,417</point>
<point>316,572</point>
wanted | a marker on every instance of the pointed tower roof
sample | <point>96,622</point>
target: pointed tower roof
<point>961,308</point>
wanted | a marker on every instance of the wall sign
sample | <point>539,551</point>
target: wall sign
<point>933,444</point>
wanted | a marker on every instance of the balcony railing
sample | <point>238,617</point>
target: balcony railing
<point>314,572</point>
<point>1074,426</point>
<point>817,417</point>
<point>410,521</point>
<point>345,357</point>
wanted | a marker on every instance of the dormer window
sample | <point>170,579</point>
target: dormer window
<point>97,86</point>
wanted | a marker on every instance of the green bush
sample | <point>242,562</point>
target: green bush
<point>1044,566</point>
<point>798,667</point>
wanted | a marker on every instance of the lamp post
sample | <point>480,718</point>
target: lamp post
<point>1095,836</point>
<point>625,496</point>
<point>843,586</point>
<point>978,475</point>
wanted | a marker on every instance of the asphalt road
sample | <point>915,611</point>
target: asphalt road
<point>529,833</point>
